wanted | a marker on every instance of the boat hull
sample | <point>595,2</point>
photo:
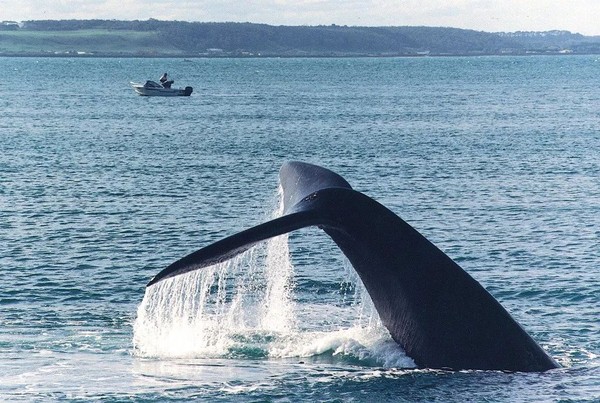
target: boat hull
<point>146,91</point>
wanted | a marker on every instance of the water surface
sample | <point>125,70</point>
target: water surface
<point>494,159</point>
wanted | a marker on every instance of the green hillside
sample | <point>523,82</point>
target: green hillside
<point>94,41</point>
<point>191,39</point>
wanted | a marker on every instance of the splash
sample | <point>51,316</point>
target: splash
<point>278,314</point>
<point>245,308</point>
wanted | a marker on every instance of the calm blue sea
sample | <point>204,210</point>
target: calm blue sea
<point>495,159</point>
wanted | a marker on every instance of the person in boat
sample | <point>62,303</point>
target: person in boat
<point>164,80</point>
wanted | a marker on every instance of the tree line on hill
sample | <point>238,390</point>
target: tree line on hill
<point>254,39</point>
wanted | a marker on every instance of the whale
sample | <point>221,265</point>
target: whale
<point>440,315</point>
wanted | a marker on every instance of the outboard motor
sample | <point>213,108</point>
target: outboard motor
<point>188,91</point>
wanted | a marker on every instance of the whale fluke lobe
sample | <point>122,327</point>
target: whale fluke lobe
<point>439,314</point>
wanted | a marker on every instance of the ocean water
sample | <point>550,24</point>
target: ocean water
<point>494,159</point>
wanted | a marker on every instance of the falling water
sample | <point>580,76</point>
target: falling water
<point>245,307</point>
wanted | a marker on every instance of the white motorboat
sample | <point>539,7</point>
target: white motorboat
<point>154,89</point>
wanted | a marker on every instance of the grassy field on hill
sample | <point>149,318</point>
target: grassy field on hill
<point>88,41</point>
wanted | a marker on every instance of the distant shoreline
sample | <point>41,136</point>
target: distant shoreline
<point>165,39</point>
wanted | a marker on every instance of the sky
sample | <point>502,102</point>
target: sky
<point>578,16</point>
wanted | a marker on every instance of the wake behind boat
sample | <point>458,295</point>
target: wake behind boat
<point>154,89</point>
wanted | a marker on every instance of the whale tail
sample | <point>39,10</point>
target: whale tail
<point>439,314</point>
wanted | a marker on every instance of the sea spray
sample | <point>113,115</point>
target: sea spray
<point>216,311</point>
<point>201,312</point>
<point>279,312</point>
<point>363,341</point>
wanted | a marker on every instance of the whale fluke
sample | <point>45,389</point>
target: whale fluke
<point>439,314</point>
